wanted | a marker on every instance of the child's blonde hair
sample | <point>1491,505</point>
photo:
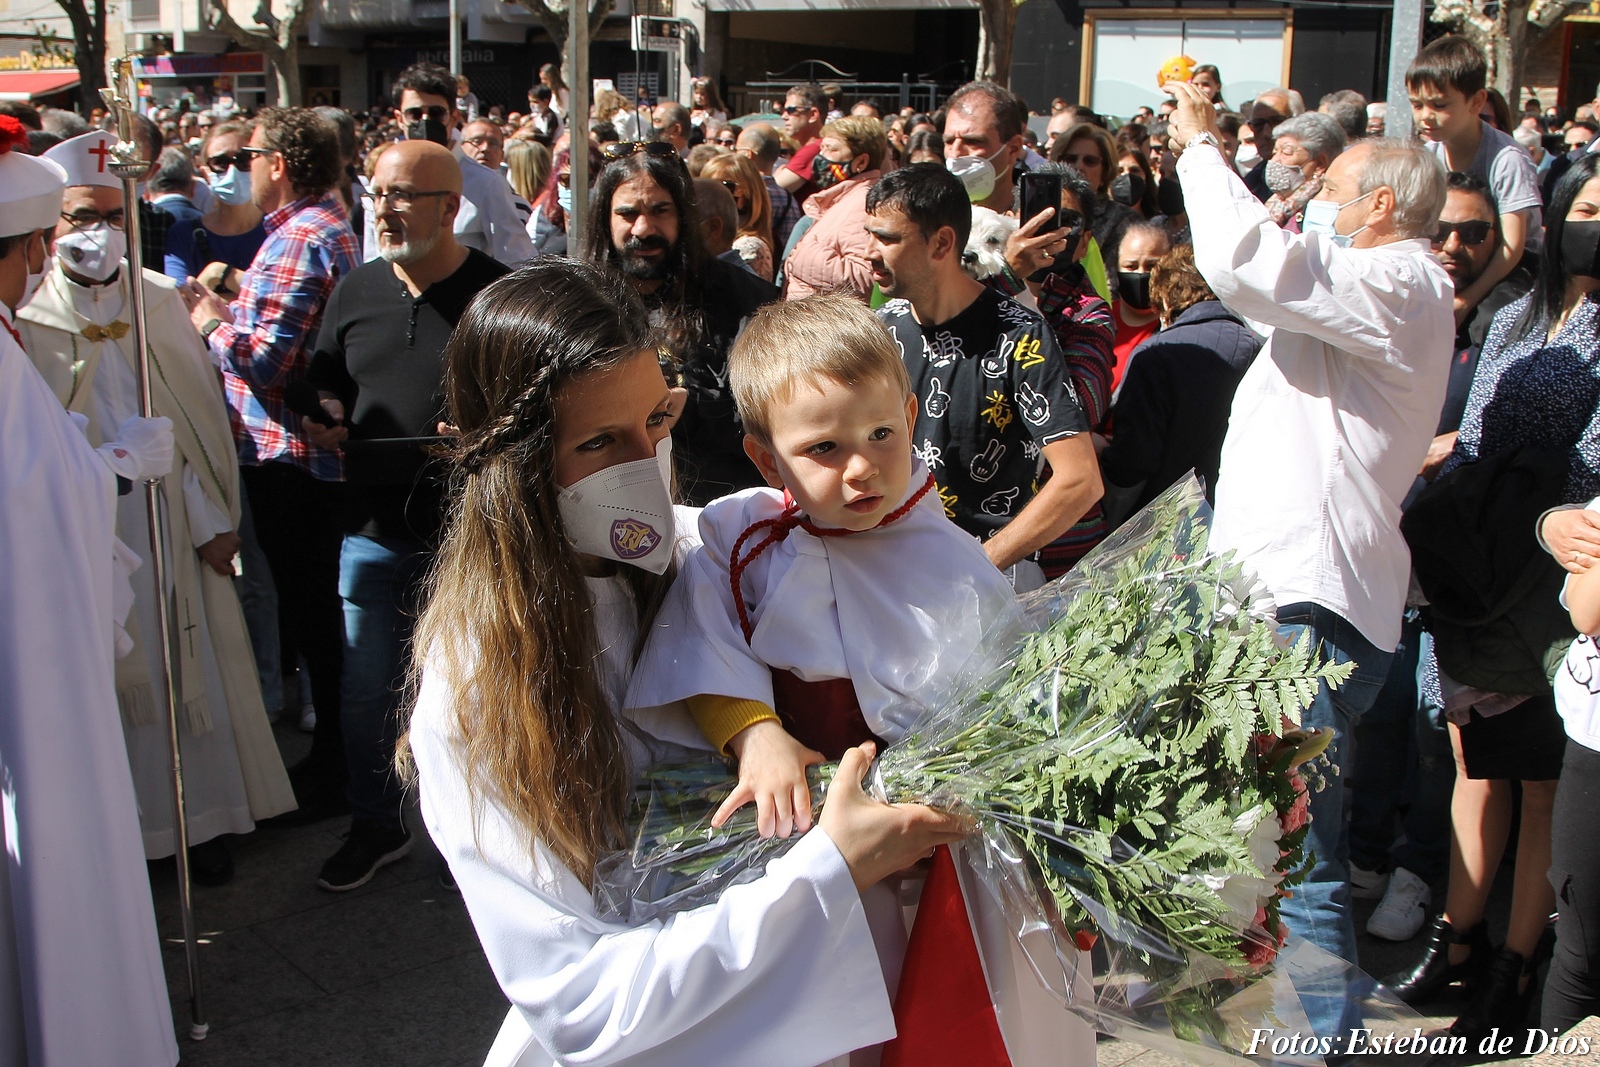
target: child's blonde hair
<point>832,337</point>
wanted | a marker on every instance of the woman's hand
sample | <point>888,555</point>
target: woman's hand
<point>772,772</point>
<point>1028,250</point>
<point>879,839</point>
<point>1574,538</point>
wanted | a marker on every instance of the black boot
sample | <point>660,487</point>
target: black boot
<point>1501,1002</point>
<point>1435,973</point>
<point>210,863</point>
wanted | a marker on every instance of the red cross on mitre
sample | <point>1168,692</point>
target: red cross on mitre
<point>102,150</point>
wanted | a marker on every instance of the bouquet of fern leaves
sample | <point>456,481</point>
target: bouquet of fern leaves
<point>1126,741</point>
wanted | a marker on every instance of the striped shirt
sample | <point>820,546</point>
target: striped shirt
<point>309,246</point>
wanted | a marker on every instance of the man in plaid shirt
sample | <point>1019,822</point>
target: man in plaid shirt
<point>261,342</point>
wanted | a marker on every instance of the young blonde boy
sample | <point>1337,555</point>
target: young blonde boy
<point>856,595</point>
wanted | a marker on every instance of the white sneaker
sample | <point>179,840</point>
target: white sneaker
<point>1404,908</point>
<point>308,719</point>
<point>1367,885</point>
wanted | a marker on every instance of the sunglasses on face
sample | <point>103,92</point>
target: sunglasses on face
<point>1471,234</point>
<point>1074,159</point>
<point>726,142</point>
<point>250,153</point>
<point>436,112</point>
<point>218,164</point>
<point>788,110</point>
<point>624,149</point>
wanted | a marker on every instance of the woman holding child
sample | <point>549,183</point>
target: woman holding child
<point>524,762</point>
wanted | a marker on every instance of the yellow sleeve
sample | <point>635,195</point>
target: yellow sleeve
<point>719,717</point>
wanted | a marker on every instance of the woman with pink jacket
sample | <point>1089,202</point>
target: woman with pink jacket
<point>832,255</point>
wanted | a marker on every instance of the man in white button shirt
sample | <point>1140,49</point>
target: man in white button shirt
<point>1329,428</point>
<point>425,108</point>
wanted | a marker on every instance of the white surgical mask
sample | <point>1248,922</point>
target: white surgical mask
<point>1321,215</point>
<point>977,173</point>
<point>564,197</point>
<point>31,286</point>
<point>624,512</point>
<point>95,252</point>
<point>1246,157</point>
<point>232,187</point>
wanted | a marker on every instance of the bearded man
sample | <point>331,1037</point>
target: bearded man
<point>379,370</point>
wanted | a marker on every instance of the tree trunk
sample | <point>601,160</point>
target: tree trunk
<point>555,19</point>
<point>997,24</point>
<point>88,49</point>
<point>281,49</point>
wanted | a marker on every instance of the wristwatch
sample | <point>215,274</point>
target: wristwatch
<point>1203,137</point>
<point>209,328</point>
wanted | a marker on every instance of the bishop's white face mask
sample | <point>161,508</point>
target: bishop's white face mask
<point>977,173</point>
<point>624,512</point>
<point>1321,215</point>
<point>95,251</point>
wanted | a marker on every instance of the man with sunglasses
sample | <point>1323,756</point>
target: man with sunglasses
<point>1271,108</point>
<point>379,369</point>
<point>804,115</point>
<point>425,107</point>
<point>262,343</point>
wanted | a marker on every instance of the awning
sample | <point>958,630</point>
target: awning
<point>32,84</point>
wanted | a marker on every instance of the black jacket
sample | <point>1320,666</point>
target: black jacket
<point>1493,594</point>
<point>1172,411</point>
<point>708,438</point>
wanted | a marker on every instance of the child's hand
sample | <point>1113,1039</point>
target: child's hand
<point>772,772</point>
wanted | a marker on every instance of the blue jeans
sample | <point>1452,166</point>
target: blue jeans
<point>1403,759</point>
<point>379,579</point>
<point>259,599</point>
<point>1319,910</point>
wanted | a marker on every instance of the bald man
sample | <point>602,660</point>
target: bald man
<point>379,368</point>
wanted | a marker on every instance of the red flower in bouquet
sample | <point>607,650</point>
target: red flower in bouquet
<point>1299,812</point>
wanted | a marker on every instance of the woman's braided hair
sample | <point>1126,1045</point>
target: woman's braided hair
<point>508,627</point>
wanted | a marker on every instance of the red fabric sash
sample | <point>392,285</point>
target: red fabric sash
<point>822,715</point>
<point>942,1012</point>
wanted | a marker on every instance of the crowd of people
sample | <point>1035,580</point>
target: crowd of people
<point>396,412</point>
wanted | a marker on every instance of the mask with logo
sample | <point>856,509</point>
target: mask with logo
<point>1128,189</point>
<point>624,512</point>
<point>1282,178</point>
<point>232,187</point>
<point>977,174</point>
<point>1134,287</point>
<point>1580,248</point>
<point>827,172</point>
<point>1321,215</point>
<point>428,129</point>
<point>94,252</point>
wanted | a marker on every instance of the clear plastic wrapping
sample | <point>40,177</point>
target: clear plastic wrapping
<point>1126,742</point>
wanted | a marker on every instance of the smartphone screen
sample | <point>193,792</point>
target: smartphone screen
<point>1041,192</point>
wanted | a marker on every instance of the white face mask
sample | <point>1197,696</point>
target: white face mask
<point>624,512</point>
<point>31,286</point>
<point>1246,157</point>
<point>95,252</point>
<point>232,186</point>
<point>1321,215</point>
<point>977,173</point>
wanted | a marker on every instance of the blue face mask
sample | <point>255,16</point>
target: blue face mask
<point>232,187</point>
<point>564,198</point>
<point>1321,215</point>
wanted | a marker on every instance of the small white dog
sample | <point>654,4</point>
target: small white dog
<point>985,255</point>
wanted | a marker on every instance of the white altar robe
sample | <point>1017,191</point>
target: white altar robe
<point>232,772</point>
<point>780,972</point>
<point>81,978</point>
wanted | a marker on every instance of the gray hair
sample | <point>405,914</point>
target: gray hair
<point>344,124</point>
<point>1415,176</point>
<point>63,123</point>
<point>174,173</point>
<point>1526,137</point>
<point>1317,133</point>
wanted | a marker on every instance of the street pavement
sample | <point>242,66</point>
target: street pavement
<point>391,975</point>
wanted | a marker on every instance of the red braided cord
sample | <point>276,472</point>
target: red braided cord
<point>780,528</point>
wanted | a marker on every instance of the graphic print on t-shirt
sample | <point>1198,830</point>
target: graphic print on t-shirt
<point>992,391</point>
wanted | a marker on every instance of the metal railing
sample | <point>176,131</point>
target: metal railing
<point>922,92</point>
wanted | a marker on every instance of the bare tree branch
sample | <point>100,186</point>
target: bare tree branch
<point>553,15</point>
<point>281,46</point>
<point>89,48</point>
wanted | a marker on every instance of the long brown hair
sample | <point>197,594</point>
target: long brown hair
<point>508,625</point>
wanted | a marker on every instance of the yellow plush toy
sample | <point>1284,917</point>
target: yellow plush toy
<point>1176,69</point>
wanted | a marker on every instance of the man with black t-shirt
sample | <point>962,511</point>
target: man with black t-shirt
<point>991,385</point>
<point>380,361</point>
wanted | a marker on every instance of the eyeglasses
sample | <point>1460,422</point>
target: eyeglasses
<point>801,110</point>
<point>1074,159</point>
<point>1266,120</point>
<point>218,164</point>
<point>479,142</point>
<point>1472,234</point>
<point>624,149</point>
<point>436,112</point>
<point>727,142</point>
<point>82,220</point>
<point>400,199</point>
<point>731,186</point>
<point>249,152</point>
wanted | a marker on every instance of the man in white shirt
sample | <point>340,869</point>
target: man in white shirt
<point>424,106</point>
<point>1329,427</point>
